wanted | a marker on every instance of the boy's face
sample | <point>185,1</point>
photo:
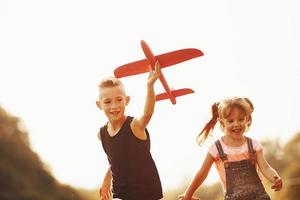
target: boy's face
<point>113,100</point>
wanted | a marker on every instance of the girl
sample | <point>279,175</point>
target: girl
<point>235,155</point>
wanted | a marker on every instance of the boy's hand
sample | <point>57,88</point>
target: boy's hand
<point>154,74</point>
<point>105,193</point>
<point>277,184</point>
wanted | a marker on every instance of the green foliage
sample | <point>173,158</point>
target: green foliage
<point>207,192</point>
<point>291,189</point>
<point>89,194</point>
<point>292,149</point>
<point>22,174</point>
<point>291,173</point>
<point>286,160</point>
<point>273,153</point>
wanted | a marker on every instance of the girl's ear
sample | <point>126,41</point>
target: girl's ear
<point>222,124</point>
<point>98,104</point>
<point>127,99</point>
<point>248,124</point>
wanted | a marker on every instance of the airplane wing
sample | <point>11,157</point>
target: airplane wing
<point>178,56</point>
<point>165,60</point>
<point>175,93</point>
<point>130,69</point>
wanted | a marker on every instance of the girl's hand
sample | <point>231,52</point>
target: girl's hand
<point>277,184</point>
<point>105,193</point>
<point>154,74</point>
<point>182,197</point>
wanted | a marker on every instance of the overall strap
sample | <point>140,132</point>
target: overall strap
<point>250,145</point>
<point>251,150</point>
<point>223,156</point>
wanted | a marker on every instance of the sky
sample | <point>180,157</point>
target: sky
<point>54,53</point>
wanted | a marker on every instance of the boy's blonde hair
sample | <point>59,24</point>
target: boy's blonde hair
<point>221,110</point>
<point>110,82</point>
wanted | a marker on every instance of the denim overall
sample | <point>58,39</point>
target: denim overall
<point>242,180</point>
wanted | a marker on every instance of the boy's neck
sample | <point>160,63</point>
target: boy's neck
<point>116,125</point>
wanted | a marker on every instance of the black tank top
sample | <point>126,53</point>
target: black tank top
<point>135,176</point>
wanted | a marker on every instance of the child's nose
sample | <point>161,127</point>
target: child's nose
<point>235,123</point>
<point>114,104</point>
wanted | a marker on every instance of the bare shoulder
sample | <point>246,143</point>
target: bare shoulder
<point>137,129</point>
<point>209,158</point>
<point>99,135</point>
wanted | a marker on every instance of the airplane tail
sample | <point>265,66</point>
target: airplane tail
<point>175,93</point>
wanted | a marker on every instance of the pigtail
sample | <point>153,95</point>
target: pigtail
<point>251,109</point>
<point>209,127</point>
<point>250,104</point>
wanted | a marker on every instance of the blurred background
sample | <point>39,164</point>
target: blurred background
<point>54,53</point>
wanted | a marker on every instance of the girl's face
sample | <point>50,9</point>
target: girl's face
<point>235,124</point>
<point>113,101</point>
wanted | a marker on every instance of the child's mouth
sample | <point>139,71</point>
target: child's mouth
<point>114,112</point>
<point>236,131</point>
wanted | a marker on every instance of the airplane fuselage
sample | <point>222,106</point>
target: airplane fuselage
<point>152,60</point>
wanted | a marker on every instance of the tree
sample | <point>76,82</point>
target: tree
<point>22,173</point>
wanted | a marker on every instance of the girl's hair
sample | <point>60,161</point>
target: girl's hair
<point>221,110</point>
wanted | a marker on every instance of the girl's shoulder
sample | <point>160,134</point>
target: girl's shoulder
<point>213,150</point>
<point>256,144</point>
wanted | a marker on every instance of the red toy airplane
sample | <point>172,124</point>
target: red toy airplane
<point>165,60</point>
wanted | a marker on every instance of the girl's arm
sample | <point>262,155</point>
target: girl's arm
<point>268,172</point>
<point>199,177</point>
<point>139,124</point>
<point>105,191</point>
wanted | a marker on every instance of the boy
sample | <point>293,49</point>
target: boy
<point>126,142</point>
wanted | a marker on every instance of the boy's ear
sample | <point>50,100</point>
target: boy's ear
<point>98,104</point>
<point>127,99</point>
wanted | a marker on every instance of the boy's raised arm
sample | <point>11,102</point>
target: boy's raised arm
<point>144,119</point>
